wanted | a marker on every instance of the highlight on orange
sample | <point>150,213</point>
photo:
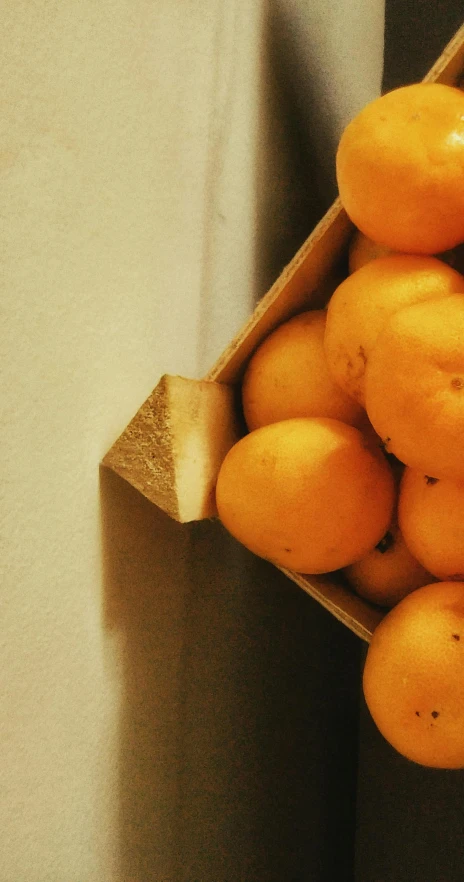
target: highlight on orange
<point>400,168</point>
<point>308,494</point>
<point>361,305</point>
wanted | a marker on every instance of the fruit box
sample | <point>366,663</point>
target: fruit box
<point>172,449</point>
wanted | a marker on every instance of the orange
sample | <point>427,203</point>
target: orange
<point>287,376</point>
<point>309,494</point>
<point>415,386</point>
<point>431,514</point>
<point>400,168</point>
<point>388,572</point>
<point>414,673</point>
<point>362,303</point>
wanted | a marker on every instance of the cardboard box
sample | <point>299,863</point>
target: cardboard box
<point>172,449</point>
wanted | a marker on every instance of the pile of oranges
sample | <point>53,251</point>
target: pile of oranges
<point>354,456</point>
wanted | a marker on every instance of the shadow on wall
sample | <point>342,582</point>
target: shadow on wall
<point>292,191</point>
<point>320,64</point>
<point>145,582</point>
<point>238,711</point>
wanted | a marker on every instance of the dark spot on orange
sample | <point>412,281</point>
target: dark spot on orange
<point>456,636</point>
<point>385,543</point>
<point>417,714</point>
<point>429,480</point>
<point>435,714</point>
<point>287,549</point>
<point>457,383</point>
<point>362,354</point>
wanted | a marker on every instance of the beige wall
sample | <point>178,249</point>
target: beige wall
<point>114,116</point>
<point>100,289</point>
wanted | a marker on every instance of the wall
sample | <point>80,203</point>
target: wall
<point>135,738</point>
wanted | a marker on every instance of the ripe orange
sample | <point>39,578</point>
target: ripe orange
<point>415,386</point>
<point>414,673</point>
<point>288,377</point>
<point>431,514</point>
<point>388,572</point>
<point>308,494</point>
<point>400,168</point>
<point>362,303</point>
